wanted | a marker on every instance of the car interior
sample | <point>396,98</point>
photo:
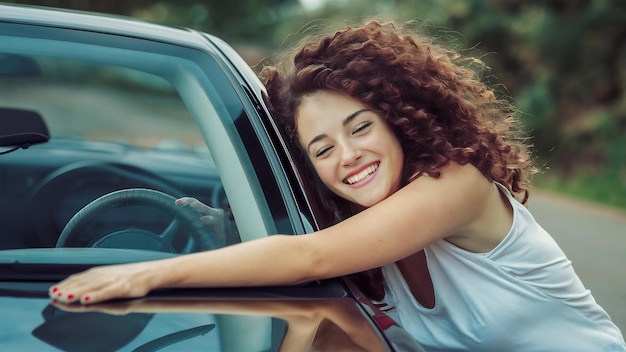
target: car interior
<point>81,121</point>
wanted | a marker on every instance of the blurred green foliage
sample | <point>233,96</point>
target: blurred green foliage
<point>234,20</point>
<point>562,61</point>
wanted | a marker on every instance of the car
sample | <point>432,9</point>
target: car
<point>104,122</point>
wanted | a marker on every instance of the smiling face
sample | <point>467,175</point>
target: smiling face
<point>352,149</point>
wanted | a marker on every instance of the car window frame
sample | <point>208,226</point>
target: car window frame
<point>302,206</point>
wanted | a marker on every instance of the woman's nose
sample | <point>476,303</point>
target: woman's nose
<point>350,154</point>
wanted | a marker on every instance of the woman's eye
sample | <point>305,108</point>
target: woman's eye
<point>361,127</point>
<point>323,151</point>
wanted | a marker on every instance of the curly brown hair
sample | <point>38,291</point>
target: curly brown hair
<point>430,95</point>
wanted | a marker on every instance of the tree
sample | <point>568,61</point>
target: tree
<point>233,20</point>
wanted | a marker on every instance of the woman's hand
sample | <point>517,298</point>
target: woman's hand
<point>214,218</point>
<point>130,280</point>
<point>107,282</point>
<point>207,213</point>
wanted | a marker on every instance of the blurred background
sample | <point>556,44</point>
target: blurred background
<point>562,62</point>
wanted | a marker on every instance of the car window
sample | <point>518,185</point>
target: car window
<point>126,117</point>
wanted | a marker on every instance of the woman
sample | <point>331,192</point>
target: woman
<point>421,165</point>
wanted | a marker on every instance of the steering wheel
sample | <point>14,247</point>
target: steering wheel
<point>80,178</point>
<point>200,238</point>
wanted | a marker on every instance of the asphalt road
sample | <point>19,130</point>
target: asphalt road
<point>594,239</point>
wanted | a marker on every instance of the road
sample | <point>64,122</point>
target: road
<point>594,239</point>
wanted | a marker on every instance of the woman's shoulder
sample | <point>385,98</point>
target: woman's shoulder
<point>484,206</point>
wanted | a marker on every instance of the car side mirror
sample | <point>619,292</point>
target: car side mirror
<point>21,128</point>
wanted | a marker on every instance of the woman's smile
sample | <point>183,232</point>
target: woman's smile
<point>353,150</point>
<point>359,177</point>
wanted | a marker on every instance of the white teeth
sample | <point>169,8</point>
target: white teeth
<point>361,175</point>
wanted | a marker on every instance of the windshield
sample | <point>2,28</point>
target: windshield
<point>133,126</point>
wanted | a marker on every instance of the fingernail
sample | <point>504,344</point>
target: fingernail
<point>178,201</point>
<point>59,294</point>
<point>86,298</point>
<point>55,289</point>
<point>70,296</point>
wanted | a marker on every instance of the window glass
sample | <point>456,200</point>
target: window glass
<point>96,102</point>
<point>118,119</point>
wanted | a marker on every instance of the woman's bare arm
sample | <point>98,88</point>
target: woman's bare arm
<point>424,211</point>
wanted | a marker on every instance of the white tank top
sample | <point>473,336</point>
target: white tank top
<point>521,296</point>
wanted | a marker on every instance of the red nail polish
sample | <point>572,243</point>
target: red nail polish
<point>55,289</point>
<point>86,298</point>
<point>70,296</point>
<point>59,294</point>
